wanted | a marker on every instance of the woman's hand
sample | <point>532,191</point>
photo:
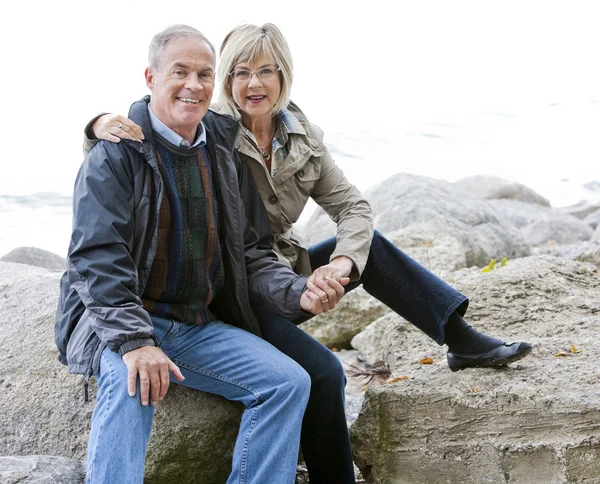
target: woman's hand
<point>336,269</point>
<point>114,128</point>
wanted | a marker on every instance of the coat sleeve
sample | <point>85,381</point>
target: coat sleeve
<point>271,283</point>
<point>100,265</point>
<point>89,141</point>
<point>346,206</point>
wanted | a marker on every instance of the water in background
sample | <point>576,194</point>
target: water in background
<point>552,148</point>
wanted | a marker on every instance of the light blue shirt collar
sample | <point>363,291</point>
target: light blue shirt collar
<point>171,136</point>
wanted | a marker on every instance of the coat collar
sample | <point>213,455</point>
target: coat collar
<point>220,129</point>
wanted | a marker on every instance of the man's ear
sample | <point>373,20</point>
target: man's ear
<point>149,75</point>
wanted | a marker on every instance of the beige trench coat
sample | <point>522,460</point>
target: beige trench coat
<point>308,171</point>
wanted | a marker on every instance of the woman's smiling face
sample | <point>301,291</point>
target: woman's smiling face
<point>255,97</point>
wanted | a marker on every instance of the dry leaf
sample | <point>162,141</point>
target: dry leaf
<point>394,380</point>
<point>574,350</point>
<point>472,389</point>
<point>561,353</point>
<point>334,349</point>
<point>425,361</point>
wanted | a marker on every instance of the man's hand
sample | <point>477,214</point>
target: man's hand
<point>114,128</point>
<point>322,295</point>
<point>154,367</point>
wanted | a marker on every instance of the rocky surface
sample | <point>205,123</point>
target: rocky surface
<point>534,421</point>
<point>493,187</point>
<point>41,469</point>
<point>42,409</point>
<point>36,257</point>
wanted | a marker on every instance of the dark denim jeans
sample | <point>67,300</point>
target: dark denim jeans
<point>324,438</point>
<point>404,286</point>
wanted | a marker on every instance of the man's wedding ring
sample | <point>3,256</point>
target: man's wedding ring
<point>325,300</point>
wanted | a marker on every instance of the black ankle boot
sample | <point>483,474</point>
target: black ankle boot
<point>468,348</point>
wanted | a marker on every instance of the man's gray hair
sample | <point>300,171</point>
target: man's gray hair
<point>178,31</point>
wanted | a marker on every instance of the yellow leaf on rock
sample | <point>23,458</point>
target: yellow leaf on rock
<point>561,353</point>
<point>490,266</point>
<point>574,350</point>
<point>425,361</point>
<point>503,262</point>
<point>394,380</point>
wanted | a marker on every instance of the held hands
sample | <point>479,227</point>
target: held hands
<point>154,367</point>
<point>114,128</point>
<point>325,286</point>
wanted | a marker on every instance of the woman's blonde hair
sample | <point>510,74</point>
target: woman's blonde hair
<point>247,43</point>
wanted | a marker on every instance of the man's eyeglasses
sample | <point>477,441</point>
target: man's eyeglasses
<point>264,73</point>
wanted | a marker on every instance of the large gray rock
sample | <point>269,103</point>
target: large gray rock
<point>593,219</point>
<point>36,257</point>
<point>540,225</point>
<point>534,421</point>
<point>335,329</point>
<point>582,209</point>
<point>370,341</point>
<point>432,246</point>
<point>521,214</point>
<point>493,187</point>
<point>596,235</point>
<point>42,409</point>
<point>437,212</point>
<point>41,469</point>
<point>557,231</point>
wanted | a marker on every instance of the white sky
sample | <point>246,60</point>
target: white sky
<point>403,61</point>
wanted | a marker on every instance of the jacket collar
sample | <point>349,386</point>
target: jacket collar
<point>220,129</point>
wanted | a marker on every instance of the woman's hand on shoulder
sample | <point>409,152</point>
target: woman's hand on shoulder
<point>114,128</point>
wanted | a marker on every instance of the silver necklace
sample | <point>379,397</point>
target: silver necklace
<point>263,149</point>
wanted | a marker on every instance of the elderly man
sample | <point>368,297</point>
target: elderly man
<point>170,250</point>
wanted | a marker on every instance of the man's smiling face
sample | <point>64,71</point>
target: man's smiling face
<point>182,85</point>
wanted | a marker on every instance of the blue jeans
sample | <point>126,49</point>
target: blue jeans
<point>402,284</point>
<point>216,358</point>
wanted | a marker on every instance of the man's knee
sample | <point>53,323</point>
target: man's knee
<point>295,380</point>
